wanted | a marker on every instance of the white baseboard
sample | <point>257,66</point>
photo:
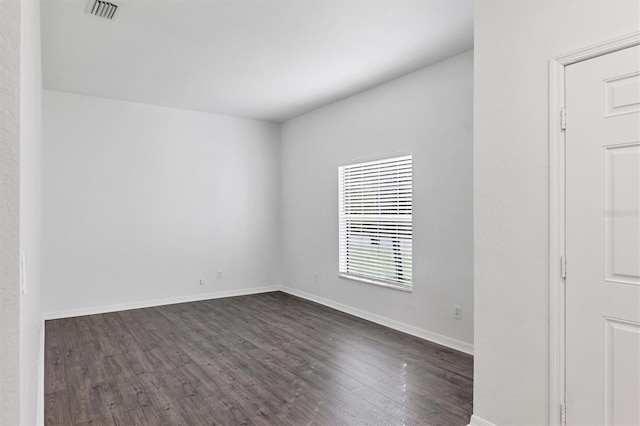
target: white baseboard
<point>477,421</point>
<point>156,302</point>
<point>40,375</point>
<point>387,322</point>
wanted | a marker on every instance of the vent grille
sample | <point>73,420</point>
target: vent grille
<point>103,9</point>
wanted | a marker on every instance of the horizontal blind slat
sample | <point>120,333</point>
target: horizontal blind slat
<point>387,235</point>
<point>402,251</point>
<point>379,277</point>
<point>400,167</point>
<point>391,274</point>
<point>378,163</point>
<point>382,264</point>
<point>406,181</point>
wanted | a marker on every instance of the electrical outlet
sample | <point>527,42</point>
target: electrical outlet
<point>457,312</point>
<point>219,275</point>
<point>202,282</point>
<point>316,277</point>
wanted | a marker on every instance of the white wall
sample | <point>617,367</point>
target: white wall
<point>513,42</point>
<point>20,132</point>
<point>30,209</point>
<point>9,211</point>
<point>141,201</point>
<point>429,113</point>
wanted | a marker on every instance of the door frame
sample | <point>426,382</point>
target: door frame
<point>557,213</point>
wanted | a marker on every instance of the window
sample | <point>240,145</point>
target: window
<point>375,202</point>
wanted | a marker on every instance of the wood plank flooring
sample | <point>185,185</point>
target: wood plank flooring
<point>267,359</point>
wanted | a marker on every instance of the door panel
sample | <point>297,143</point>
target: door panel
<point>603,240</point>
<point>621,352</point>
<point>621,195</point>
<point>622,95</point>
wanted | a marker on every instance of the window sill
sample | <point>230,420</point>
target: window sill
<point>406,289</point>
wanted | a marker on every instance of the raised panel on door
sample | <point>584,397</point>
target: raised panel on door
<point>621,372</point>
<point>621,224</point>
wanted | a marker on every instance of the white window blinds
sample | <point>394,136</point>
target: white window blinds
<point>375,202</point>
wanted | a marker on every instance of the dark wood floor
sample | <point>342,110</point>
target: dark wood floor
<point>268,359</point>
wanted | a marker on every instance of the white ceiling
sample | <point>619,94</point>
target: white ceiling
<point>263,59</point>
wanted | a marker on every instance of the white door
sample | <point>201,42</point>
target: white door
<point>603,240</point>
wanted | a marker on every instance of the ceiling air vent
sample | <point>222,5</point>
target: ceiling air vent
<point>103,9</point>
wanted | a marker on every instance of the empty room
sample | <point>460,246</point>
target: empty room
<point>320,212</point>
